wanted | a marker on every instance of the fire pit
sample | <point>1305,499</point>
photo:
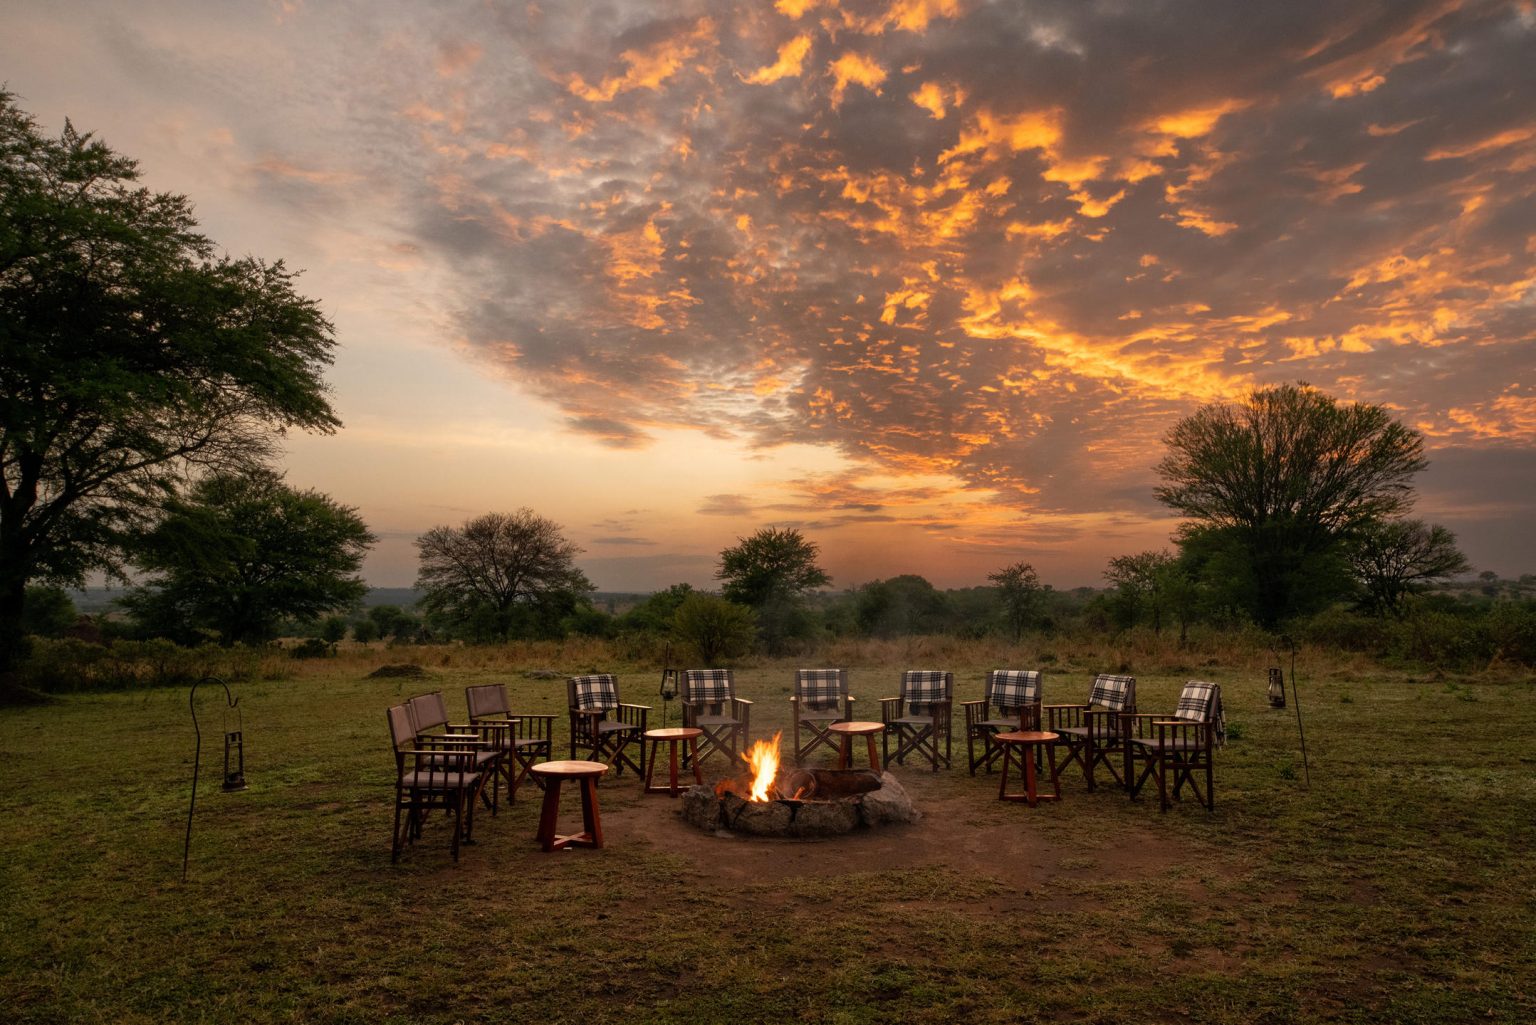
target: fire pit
<point>801,803</point>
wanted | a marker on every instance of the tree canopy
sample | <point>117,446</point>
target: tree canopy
<point>1020,590</point>
<point>1287,476</point>
<point>1396,559</point>
<point>771,572</point>
<point>130,357</point>
<point>481,575</point>
<point>243,551</point>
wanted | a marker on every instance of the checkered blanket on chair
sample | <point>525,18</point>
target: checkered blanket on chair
<point>921,688</point>
<point>710,686</point>
<point>1116,693</point>
<point>1012,689</point>
<point>599,693</point>
<point>1201,702</point>
<point>819,690</point>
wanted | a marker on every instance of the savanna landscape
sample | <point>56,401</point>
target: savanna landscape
<point>1393,887</point>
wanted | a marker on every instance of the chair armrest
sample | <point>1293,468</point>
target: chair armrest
<point>627,705</point>
<point>742,701</point>
<point>890,709</point>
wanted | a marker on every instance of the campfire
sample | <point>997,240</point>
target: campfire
<point>765,801</point>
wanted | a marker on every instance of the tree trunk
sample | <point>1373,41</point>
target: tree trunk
<point>13,642</point>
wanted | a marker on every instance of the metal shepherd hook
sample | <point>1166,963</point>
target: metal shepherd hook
<point>232,781</point>
<point>1300,730</point>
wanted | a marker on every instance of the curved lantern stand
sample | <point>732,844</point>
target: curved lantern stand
<point>234,756</point>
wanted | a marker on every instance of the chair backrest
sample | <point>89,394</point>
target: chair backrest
<point>486,700</point>
<point>402,729</point>
<point>1010,690</point>
<point>821,690</point>
<point>595,693</point>
<point>429,711</point>
<point>1115,693</point>
<point>709,686</point>
<point>1200,701</point>
<point>922,688</point>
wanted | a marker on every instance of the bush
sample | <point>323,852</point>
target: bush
<point>72,666</point>
<point>715,628</point>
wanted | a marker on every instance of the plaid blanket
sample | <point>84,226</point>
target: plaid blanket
<point>1201,702</point>
<point>921,688</point>
<point>819,690</point>
<point>711,686</point>
<point>596,692</point>
<point>1012,689</point>
<point>1116,693</point>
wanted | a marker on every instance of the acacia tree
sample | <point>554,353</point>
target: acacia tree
<point>481,575</point>
<point>1287,476</point>
<point>1395,559</point>
<point>1019,588</point>
<point>130,357</point>
<point>771,572</point>
<point>241,552</point>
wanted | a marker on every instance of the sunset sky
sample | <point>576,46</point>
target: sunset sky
<point>926,279</point>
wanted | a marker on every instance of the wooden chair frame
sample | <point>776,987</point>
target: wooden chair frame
<point>918,734</point>
<point>727,723</point>
<point>1169,748</point>
<point>430,775</point>
<point>1090,734</point>
<point>606,733</point>
<point>811,722</point>
<point>525,737</point>
<point>981,724</point>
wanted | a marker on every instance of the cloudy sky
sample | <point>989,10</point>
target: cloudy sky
<point>926,279</point>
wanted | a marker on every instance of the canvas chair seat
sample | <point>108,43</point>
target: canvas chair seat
<point>451,779</point>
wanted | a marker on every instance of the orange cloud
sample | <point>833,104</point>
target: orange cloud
<point>790,61</point>
<point>854,69</point>
<point>648,68</point>
<point>1194,122</point>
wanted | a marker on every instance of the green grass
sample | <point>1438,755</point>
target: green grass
<point>1396,889</point>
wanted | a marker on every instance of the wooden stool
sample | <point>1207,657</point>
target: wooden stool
<point>553,774</point>
<point>1018,747</point>
<point>847,731</point>
<point>672,737</point>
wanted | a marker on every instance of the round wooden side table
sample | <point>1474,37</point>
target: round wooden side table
<point>586,774</point>
<point>847,731</point>
<point>1018,749</point>
<point>673,737</point>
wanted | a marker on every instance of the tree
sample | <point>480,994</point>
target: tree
<point>903,606</point>
<point>717,629</point>
<point>129,356</point>
<point>771,572</point>
<point>1395,559</point>
<point>1019,587</point>
<point>241,552</point>
<point>1287,476</point>
<point>1141,582</point>
<point>500,574</point>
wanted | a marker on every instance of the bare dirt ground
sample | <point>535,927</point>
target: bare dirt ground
<point>965,831</point>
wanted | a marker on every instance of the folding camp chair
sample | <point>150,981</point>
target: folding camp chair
<point>820,699</point>
<point>603,725</point>
<point>429,715</point>
<point>1091,732</point>
<point>1011,701</point>
<point>428,775</point>
<point>710,704</point>
<point>918,717</point>
<point>1177,746</point>
<point>524,737</point>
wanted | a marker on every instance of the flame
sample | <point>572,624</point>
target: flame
<point>763,756</point>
